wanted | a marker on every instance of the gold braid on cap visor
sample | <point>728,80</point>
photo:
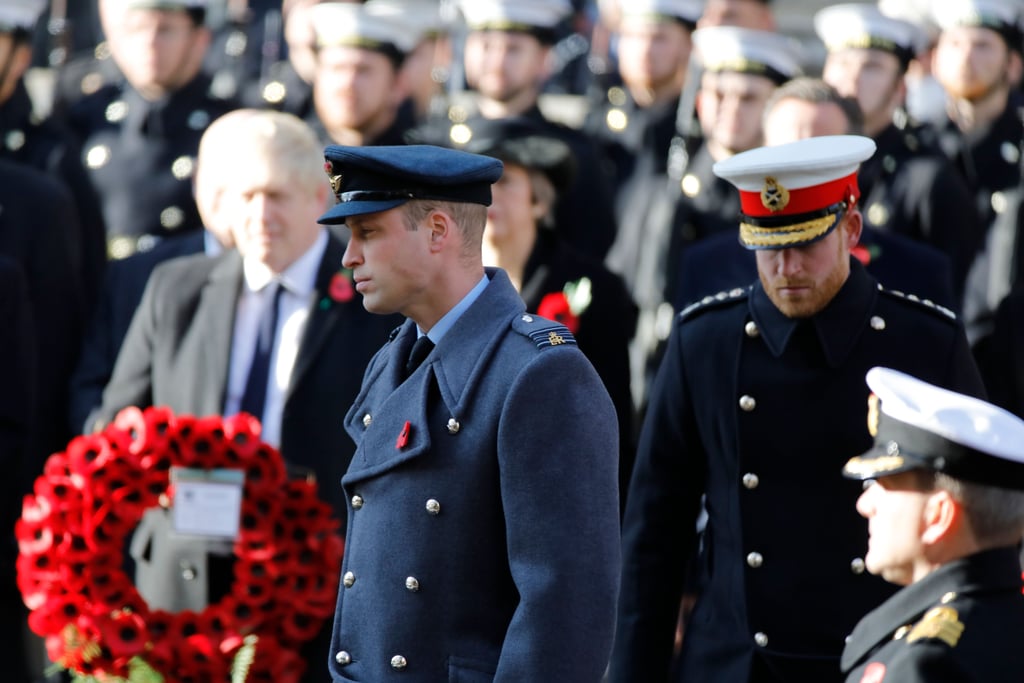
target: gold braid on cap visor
<point>778,232</point>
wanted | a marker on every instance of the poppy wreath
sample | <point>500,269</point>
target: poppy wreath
<point>71,539</point>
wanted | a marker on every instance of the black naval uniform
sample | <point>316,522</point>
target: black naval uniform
<point>48,147</point>
<point>660,220</point>
<point>990,161</point>
<point>758,413</point>
<point>281,89</point>
<point>959,624</point>
<point>909,187</point>
<point>141,155</point>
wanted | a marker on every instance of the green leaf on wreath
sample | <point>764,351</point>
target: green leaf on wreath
<point>244,659</point>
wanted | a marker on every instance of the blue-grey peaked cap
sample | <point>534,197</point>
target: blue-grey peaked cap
<point>371,179</point>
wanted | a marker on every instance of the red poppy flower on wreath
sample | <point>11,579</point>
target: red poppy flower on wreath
<point>71,539</point>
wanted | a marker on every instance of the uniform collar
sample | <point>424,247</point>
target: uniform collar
<point>838,326</point>
<point>996,570</point>
<point>465,351</point>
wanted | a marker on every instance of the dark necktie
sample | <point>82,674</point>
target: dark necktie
<point>259,372</point>
<point>420,350</point>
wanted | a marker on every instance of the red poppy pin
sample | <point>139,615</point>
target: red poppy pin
<point>403,436</point>
<point>340,288</point>
<point>568,305</point>
<point>864,253</point>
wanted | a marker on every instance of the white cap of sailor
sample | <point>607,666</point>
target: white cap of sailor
<point>424,17</point>
<point>917,425</point>
<point>539,18</point>
<point>20,14</point>
<point>365,26</point>
<point>744,50</point>
<point>796,193</point>
<point>852,25</point>
<point>659,11</point>
<point>917,12</point>
<point>1002,16</point>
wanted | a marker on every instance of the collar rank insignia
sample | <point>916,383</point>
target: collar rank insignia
<point>942,623</point>
<point>774,196</point>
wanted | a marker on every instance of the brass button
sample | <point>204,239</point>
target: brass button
<point>188,572</point>
<point>877,323</point>
<point>357,502</point>
<point>900,632</point>
<point>367,420</point>
<point>453,426</point>
<point>857,565</point>
<point>751,329</point>
<point>761,639</point>
<point>948,598</point>
<point>398,662</point>
<point>747,403</point>
<point>751,480</point>
<point>755,560</point>
<point>343,658</point>
<point>412,584</point>
<point>349,579</point>
<point>433,507</point>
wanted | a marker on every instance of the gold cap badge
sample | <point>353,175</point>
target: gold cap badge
<point>774,196</point>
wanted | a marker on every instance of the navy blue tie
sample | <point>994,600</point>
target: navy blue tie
<point>420,350</point>
<point>259,372</point>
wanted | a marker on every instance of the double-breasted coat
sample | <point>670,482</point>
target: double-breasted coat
<point>482,536</point>
<point>758,413</point>
<point>960,623</point>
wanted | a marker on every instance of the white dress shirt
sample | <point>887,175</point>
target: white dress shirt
<point>298,281</point>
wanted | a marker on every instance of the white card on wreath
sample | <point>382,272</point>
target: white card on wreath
<point>207,502</point>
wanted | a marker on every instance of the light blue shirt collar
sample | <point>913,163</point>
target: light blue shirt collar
<point>448,319</point>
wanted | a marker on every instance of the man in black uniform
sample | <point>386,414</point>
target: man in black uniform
<point>360,94</point>
<point>44,145</point>
<point>909,186</point>
<point>507,54</point>
<point>140,137</point>
<point>945,508</point>
<point>755,406</point>
<point>978,62</point>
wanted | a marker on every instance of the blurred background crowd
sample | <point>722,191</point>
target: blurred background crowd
<point>609,115</point>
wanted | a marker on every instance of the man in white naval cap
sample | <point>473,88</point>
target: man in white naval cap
<point>978,61</point>
<point>944,500</point>
<point>507,60</point>
<point>360,92</point>
<point>756,405</point>
<point>427,67</point>
<point>909,186</point>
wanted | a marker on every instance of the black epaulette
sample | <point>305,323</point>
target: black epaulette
<point>713,301</point>
<point>926,304</point>
<point>543,332</point>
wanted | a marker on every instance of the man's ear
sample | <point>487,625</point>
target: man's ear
<point>942,516</point>
<point>441,227</point>
<point>854,227</point>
